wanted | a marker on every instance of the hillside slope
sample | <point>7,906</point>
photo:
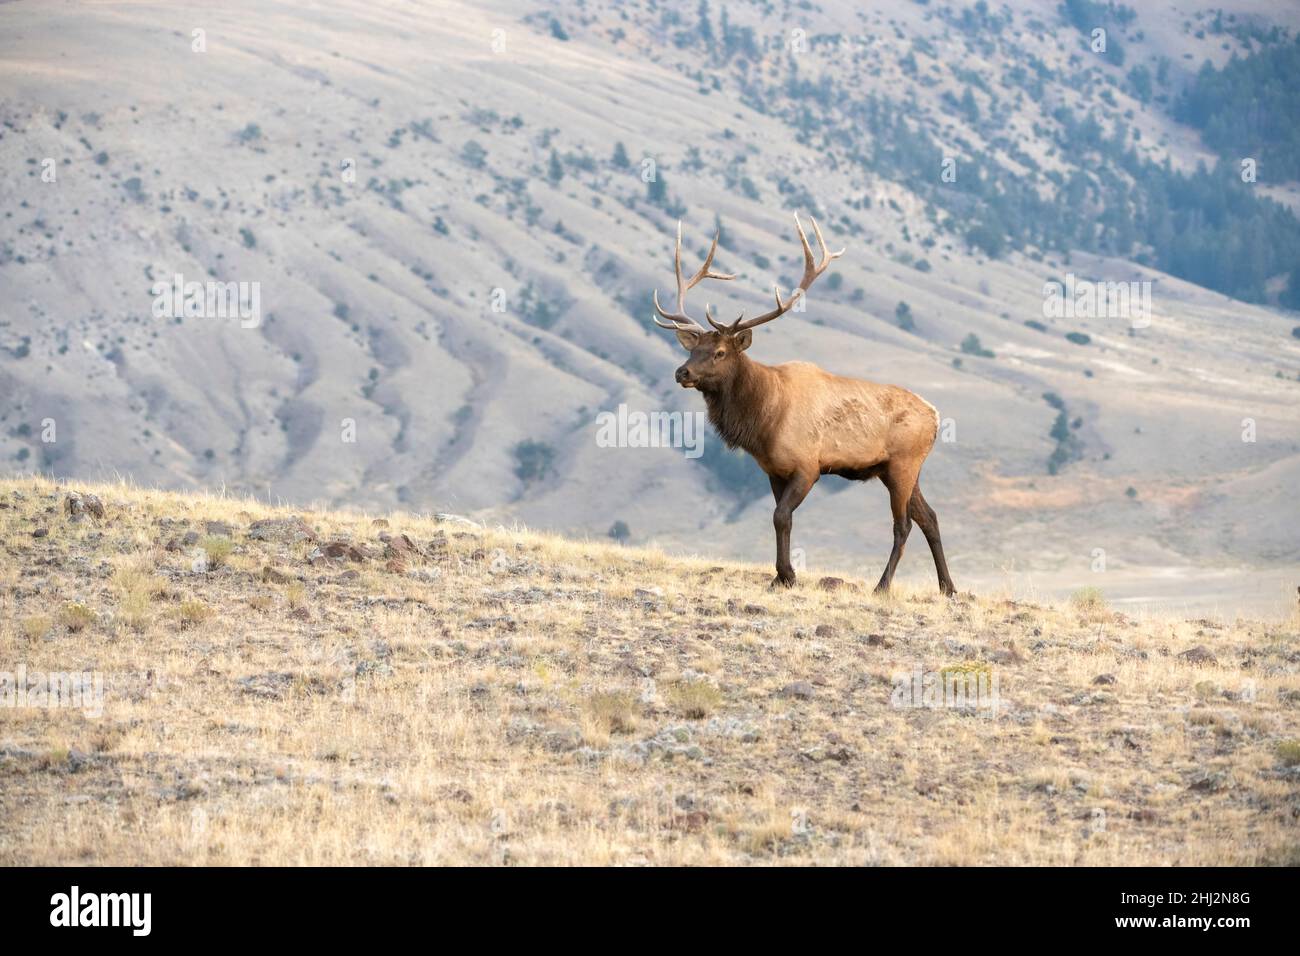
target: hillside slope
<point>435,292</point>
<point>455,694</point>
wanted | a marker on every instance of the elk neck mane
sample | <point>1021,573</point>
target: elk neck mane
<point>744,410</point>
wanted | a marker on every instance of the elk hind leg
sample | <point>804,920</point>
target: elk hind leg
<point>921,512</point>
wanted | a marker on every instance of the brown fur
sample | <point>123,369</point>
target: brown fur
<point>800,422</point>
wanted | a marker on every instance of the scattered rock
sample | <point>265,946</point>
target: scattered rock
<point>1210,781</point>
<point>1126,737</point>
<point>825,630</point>
<point>281,530</point>
<point>1085,699</point>
<point>269,686</point>
<point>379,523</point>
<point>78,506</point>
<point>800,689</point>
<point>1199,654</point>
<point>275,685</point>
<point>878,640</point>
<point>652,593</point>
<point>820,754</point>
<point>369,668</point>
<point>443,518</point>
<point>79,760</point>
<point>692,822</point>
<point>732,727</point>
<point>190,539</point>
<point>275,576</point>
<point>561,741</point>
<point>394,566</point>
<point>337,551</point>
<point>1006,655</point>
<point>400,546</point>
<point>831,584</point>
<point>1104,679</point>
<point>671,742</point>
<point>755,610</point>
<point>218,528</point>
<point>40,533</point>
<point>502,563</point>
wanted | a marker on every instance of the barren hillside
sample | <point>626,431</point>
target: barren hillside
<point>265,686</point>
<point>445,209</point>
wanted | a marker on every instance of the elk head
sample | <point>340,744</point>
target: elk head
<point>714,355</point>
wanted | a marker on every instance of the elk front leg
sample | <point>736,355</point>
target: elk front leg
<point>789,494</point>
<point>900,482</point>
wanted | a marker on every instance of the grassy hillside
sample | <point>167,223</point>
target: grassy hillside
<point>326,690</point>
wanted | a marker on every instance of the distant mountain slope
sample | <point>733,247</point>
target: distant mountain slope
<point>445,210</point>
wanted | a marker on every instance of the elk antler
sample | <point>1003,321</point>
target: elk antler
<point>679,319</point>
<point>811,270</point>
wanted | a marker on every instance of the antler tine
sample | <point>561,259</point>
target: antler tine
<point>827,255</point>
<point>720,326</point>
<point>677,326</point>
<point>808,263</point>
<point>677,268</point>
<point>811,270</point>
<point>705,271</point>
<point>679,319</point>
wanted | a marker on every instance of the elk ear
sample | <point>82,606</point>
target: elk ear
<point>688,338</point>
<point>742,339</point>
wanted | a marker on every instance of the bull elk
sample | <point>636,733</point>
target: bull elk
<point>800,422</point>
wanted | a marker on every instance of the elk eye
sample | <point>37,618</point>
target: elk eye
<point>719,353</point>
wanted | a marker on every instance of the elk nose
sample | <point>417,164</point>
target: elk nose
<point>682,375</point>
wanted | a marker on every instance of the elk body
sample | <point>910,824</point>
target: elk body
<point>800,422</point>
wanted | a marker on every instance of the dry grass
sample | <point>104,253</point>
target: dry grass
<point>693,699</point>
<point>76,617</point>
<point>505,697</point>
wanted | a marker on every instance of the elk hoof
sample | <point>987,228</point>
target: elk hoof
<point>782,581</point>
